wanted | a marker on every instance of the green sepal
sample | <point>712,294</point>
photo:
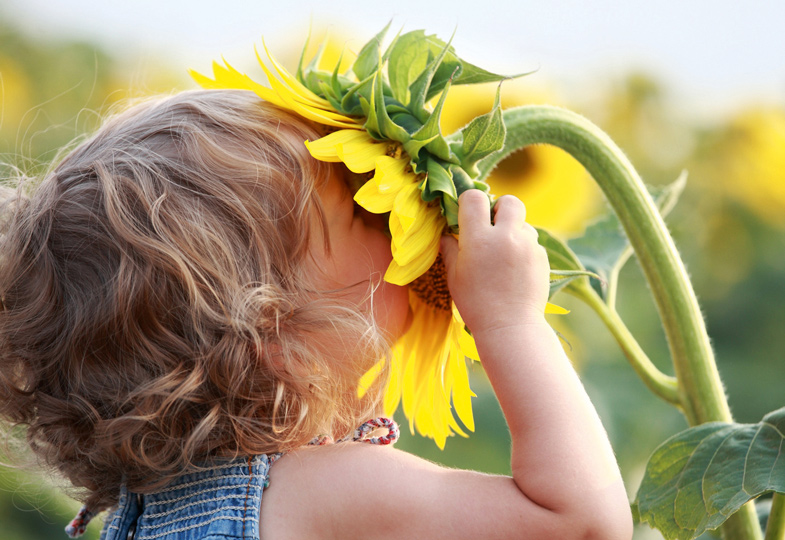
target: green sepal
<point>310,78</point>
<point>386,126</point>
<point>456,69</point>
<point>438,181</point>
<point>335,82</point>
<point>406,121</point>
<point>418,90</point>
<point>408,58</point>
<point>371,123</point>
<point>471,74</point>
<point>393,107</point>
<point>328,95</point>
<point>412,147</point>
<point>450,212</point>
<point>482,137</point>
<point>367,62</point>
<point>299,74</point>
<point>432,132</point>
<point>350,102</point>
<point>462,180</point>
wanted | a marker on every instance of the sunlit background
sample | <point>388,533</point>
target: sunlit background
<point>696,85</point>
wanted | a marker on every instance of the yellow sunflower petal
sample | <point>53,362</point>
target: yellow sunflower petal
<point>461,392</point>
<point>355,148</point>
<point>392,395</point>
<point>467,345</point>
<point>555,310</point>
<point>391,175</point>
<point>398,274</point>
<point>299,89</point>
<point>378,194</point>
<point>409,206</point>
<point>464,338</point>
<point>421,240</point>
<point>369,377</point>
<point>370,198</point>
<point>228,77</point>
<point>304,107</point>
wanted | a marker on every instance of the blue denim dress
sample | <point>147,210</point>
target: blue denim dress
<point>215,503</point>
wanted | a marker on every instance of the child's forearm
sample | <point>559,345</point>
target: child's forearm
<point>561,456</point>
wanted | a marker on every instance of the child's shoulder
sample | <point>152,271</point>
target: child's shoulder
<point>321,491</point>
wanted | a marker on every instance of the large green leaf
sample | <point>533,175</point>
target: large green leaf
<point>698,478</point>
<point>604,248</point>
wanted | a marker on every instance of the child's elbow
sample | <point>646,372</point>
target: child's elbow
<point>605,518</point>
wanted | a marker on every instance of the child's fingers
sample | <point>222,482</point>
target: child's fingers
<point>509,210</point>
<point>449,251</point>
<point>474,211</point>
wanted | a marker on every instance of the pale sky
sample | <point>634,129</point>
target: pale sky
<point>712,55</point>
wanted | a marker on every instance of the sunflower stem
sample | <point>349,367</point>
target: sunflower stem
<point>700,389</point>
<point>661,385</point>
<point>775,528</point>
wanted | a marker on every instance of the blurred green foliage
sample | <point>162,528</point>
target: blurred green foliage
<point>728,226</point>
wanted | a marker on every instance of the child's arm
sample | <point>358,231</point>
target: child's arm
<point>565,482</point>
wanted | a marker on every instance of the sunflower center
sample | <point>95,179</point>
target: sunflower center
<point>431,287</point>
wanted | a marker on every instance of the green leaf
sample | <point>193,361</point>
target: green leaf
<point>560,256</point>
<point>698,478</point>
<point>563,262</point>
<point>408,59</point>
<point>604,248</point>
<point>368,60</point>
<point>483,136</point>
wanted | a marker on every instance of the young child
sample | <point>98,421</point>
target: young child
<point>189,297</point>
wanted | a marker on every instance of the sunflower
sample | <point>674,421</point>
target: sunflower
<point>382,124</point>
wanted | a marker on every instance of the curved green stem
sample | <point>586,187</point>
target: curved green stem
<point>660,384</point>
<point>701,393</point>
<point>775,529</point>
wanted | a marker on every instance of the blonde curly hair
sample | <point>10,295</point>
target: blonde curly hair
<point>158,310</point>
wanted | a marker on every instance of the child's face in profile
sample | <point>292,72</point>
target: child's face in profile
<point>359,255</point>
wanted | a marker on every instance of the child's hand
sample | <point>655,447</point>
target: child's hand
<point>497,272</point>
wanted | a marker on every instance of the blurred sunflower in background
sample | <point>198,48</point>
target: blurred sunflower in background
<point>748,162</point>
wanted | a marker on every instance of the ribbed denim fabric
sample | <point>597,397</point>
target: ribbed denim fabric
<point>215,503</point>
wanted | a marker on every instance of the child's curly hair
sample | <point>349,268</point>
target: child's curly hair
<point>157,303</point>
